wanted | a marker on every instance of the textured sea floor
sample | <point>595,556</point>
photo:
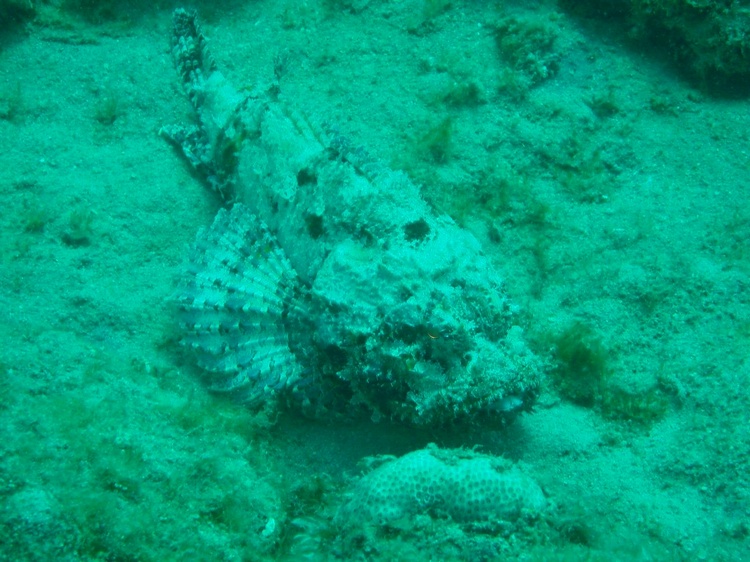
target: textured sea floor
<point>610,193</point>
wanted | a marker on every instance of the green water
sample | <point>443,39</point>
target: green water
<point>602,166</point>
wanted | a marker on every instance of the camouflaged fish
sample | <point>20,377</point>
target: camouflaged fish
<point>327,282</point>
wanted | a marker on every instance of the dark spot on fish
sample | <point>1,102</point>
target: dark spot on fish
<point>314,225</point>
<point>416,231</point>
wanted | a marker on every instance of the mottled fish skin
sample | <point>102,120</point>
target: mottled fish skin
<point>328,282</point>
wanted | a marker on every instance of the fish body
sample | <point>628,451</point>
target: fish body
<point>327,281</point>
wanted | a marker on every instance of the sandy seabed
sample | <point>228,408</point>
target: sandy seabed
<point>612,195</point>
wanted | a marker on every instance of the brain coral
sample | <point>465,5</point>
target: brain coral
<point>467,486</point>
